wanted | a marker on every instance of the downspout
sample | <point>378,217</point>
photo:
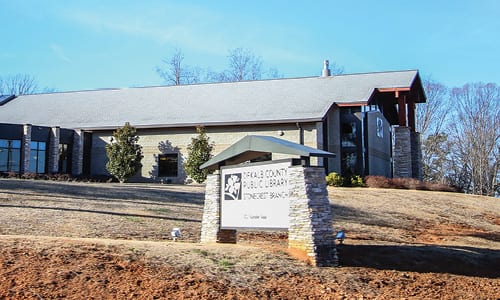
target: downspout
<point>363,140</point>
<point>301,133</point>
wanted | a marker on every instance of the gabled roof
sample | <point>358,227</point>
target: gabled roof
<point>247,102</point>
<point>253,146</point>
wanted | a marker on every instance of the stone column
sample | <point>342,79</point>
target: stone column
<point>416,155</point>
<point>401,152</point>
<point>26,149</point>
<point>310,232</point>
<point>210,223</point>
<point>77,154</point>
<point>53,150</point>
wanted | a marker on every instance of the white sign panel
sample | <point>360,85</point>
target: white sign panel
<point>255,196</point>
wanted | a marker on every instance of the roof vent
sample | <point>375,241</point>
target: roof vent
<point>326,70</point>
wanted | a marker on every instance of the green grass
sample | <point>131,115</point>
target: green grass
<point>225,264</point>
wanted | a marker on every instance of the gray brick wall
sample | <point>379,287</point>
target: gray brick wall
<point>53,151</point>
<point>416,155</point>
<point>401,151</point>
<point>77,154</point>
<point>26,148</point>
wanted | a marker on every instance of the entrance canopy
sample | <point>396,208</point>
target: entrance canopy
<point>254,146</point>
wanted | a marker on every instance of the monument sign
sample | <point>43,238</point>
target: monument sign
<point>255,195</point>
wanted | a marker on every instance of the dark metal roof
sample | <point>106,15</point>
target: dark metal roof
<point>6,98</point>
<point>253,146</point>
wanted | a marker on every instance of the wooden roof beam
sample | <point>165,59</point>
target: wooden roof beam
<point>396,91</point>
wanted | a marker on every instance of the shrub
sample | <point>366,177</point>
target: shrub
<point>334,179</point>
<point>199,152</point>
<point>406,183</point>
<point>10,175</point>
<point>124,154</point>
<point>30,176</point>
<point>377,182</point>
<point>356,181</point>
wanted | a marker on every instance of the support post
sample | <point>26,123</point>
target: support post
<point>77,154</point>
<point>26,149</point>
<point>210,223</point>
<point>411,114</point>
<point>310,233</point>
<point>53,152</point>
<point>401,109</point>
<point>401,149</point>
<point>416,155</point>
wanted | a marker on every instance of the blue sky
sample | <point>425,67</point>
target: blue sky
<point>75,45</point>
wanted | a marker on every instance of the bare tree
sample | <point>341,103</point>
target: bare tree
<point>243,65</point>
<point>476,138</point>
<point>18,84</point>
<point>176,73</point>
<point>432,115</point>
<point>436,150</point>
<point>336,69</point>
<point>431,118</point>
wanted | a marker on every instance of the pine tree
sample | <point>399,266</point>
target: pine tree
<point>199,152</point>
<point>124,153</point>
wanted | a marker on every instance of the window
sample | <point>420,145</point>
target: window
<point>64,159</point>
<point>168,165</point>
<point>10,155</point>
<point>37,157</point>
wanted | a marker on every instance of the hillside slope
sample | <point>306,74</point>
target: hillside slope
<point>112,241</point>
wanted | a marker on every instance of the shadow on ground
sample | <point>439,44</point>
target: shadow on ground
<point>467,261</point>
<point>103,191</point>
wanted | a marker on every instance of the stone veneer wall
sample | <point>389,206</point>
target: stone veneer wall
<point>53,150</point>
<point>401,152</point>
<point>310,230</point>
<point>210,223</point>
<point>26,148</point>
<point>416,155</point>
<point>77,153</point>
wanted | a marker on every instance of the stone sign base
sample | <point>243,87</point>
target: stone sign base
<point>310,232</point>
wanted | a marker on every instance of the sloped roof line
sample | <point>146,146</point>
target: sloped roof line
<point>237,102</point>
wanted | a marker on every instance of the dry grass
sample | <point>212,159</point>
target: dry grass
<point>400,243</point>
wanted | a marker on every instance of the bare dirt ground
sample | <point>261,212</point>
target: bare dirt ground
<point>112,241</point>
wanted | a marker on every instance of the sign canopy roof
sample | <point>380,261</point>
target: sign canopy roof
<point>253,146</point>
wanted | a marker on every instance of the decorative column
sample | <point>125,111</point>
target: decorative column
<point>77,154</point>
<point>416,155</point>
<point>26,148</point>
<point>401,152</point>
<point>53,150</point>
<point>210,223</point>
<point>310,232</point>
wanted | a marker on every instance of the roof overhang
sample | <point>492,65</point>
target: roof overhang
<point>253,146</point>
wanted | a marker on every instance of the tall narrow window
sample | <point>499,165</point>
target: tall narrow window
<point>64,159</point>
<point>10,155</point>
<point>37,157</point>
<point>168,165</point>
